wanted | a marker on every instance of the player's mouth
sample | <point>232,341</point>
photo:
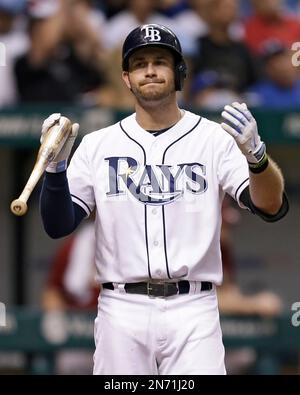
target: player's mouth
<point>152,82</point>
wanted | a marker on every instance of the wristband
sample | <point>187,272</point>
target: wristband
<point>57,167</point>
<point>261,166</point>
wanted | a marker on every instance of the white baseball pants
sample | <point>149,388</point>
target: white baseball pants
<point>139,335</point>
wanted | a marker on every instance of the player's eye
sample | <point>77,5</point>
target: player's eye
<point>160,61</point>
<point>138,64</point>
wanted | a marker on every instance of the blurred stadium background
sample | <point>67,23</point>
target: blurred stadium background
<point>64,56</point>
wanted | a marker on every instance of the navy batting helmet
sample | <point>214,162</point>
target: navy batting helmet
<point>158,36</point>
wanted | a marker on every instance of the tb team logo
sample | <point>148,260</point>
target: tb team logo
<point>151,34</point>
<point>154,184</point>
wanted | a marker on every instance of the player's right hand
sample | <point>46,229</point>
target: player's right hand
<point>60,162</point>
<point>48,123</point>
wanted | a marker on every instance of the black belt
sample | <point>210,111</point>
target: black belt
<point>160,289</point>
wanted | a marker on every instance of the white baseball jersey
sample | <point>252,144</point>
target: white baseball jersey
<point>158,199</point>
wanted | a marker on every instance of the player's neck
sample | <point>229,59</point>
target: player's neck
<point>157,117</point>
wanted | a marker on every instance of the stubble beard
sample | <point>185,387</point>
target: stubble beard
<point>152,96</point>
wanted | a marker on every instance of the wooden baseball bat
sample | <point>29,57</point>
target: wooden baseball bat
<point>50,148</point>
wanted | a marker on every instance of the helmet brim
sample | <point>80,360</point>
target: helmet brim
<point>177,55</point>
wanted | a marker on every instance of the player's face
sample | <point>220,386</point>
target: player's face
<point>151,74</point>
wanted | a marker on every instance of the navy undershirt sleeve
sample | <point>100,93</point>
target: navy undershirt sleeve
<point>60,215</point>
<point>245,198</point>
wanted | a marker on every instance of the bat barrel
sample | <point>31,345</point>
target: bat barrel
<point>18,207</point>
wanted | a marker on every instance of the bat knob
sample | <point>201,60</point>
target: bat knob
<point>18,207</point>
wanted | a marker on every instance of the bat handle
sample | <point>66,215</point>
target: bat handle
<point>18,207</point>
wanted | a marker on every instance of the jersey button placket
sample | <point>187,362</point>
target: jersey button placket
<point>155,219</point>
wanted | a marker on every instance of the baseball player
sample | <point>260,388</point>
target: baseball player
<point>157,180</point>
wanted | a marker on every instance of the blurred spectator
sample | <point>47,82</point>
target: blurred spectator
<point>115,93</point>
<point>71,285</point>
<point>14,42</point>
<point>280,87</point>
<point>211,91</point>
<point>193,23</point>
<point>41,9</point>
<point>232,300</point>
<point>190,25</point>
<point>270,21</point>
<point>293,7</point>
<point>85,30</point>
<point>64,62</point>
<point>219,52</point>
<point>112,7</point>
<point>137,12</point>
<point>172,8</point>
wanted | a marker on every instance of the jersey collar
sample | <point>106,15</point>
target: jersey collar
<point>146,139</point>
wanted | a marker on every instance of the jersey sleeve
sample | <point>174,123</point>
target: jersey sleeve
<point>80,179</point>
<point>233,173</point>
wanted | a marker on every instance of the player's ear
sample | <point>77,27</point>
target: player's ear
<point>125,76</point>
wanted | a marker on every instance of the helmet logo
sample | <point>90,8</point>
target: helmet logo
<point>151,33</point>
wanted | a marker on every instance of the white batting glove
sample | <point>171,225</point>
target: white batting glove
<point>61,160</point>
<point>48,123</point>
<point>241,125</point>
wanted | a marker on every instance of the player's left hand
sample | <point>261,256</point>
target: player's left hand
<point>241,125</point>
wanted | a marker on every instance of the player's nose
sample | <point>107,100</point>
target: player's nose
<point>150,70</point>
